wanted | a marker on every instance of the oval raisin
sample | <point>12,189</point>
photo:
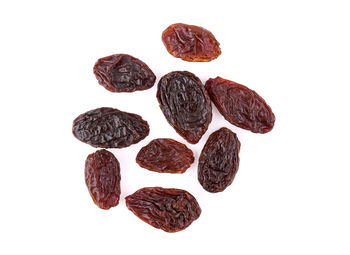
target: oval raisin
<point>185,104</point>
<point>171,210</point>
<point>165,156</point>
<point>219,160</point>
<point>123,73</point>
<point>102,177</point>
<point>191,43</point>
<point>110,128</point>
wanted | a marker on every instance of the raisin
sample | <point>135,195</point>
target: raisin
<point>102,177</point>
<point>165,156</point>
<point>191,43</point>
<point>110,128</point>
<point>185,104</point>
<point>240,105</point>
<point>219,161</point>
<point>123,73</point>
<point>171,210</point>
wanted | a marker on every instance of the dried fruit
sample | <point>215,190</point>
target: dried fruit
<point>191,43</point>
<point>110,128</point>
<point>123,73</point>
<point>185,104</point>
<point>219,161</point>
<point>102,177</point>
<point>171,210</point>
<point>165,156</point>
<point>240,105</point>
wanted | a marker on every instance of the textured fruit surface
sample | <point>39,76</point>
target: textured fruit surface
<point>240,105</point>
<point>219,161</point>
<point>191,43</point>
<point>165,156</point>
<point>123,73</point>
<point>171,210</point>
<point>185,104</point>
<point>110,128</point>
<point>102,177</point>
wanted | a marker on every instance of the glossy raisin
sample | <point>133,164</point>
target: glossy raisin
<point>191,43</point>
<point>165,156</point>
<point>219,160</point>
<point>185,104</point>
<point>102,177</point>
<point>123,73</point>
<point>171,210</point>
<point>110,128</point>
<point>240,105</point>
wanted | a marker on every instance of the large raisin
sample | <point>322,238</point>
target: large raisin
<point>102,177</point>
<point>240,105</point>
<point>165,156</point>
<point>110,128</point>
<point>123,73</point>
<point>219,161</point>
<point>171,210</point>
<point>185,104</point>
<point>191,43</point>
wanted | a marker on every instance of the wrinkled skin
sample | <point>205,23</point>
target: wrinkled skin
<point>240,105</point>
<point>171,210</point>
<point>110,128</point>
<point>185,104</point>
<point>165,156</point>
<point>191,43</point>
<point>123,73</point>
<point>219,160</point>
<point>102,177</point>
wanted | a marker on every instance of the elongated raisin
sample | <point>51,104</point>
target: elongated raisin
<point>185,104</point>
<point>123,73</point>
<point>171,210</point>
<point>240,105</point>
<point>165,156</point>
<point>191,43</point>
<point>110,128</point>
<point>219,161</point>
<point>102,177</point>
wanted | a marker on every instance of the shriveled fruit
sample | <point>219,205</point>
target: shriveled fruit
<point>185,104</point>
<point>219,160</point>
<point>191,43</point>
<point>165,156</point>
<point>102,177</point>
<point>123,73</point>
<point>110,128</point>
<point>171,210</point>
<point>240,105</point>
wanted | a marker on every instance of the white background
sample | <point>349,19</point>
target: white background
<point>291,193</point>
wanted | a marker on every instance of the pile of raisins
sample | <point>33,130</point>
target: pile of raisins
<point>186,105</point>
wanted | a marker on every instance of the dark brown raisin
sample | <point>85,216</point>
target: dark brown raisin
<point>240,105</point>
<point>165,156</point>
<point>171,210</point>
<point>191,43</point>
<point>185,104</point>
<point>102,177</point>
<point>123,73</point>
<point>110,128</point>
<point>219,161</point>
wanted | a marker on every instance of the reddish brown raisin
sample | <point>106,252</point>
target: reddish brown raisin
<point>219,161</point>
<point>123,73</point>
<point>102,177</point>
<point>171,210</point>
<point>185,104</point>
<point>110,128</point>
<point>240,105</point>
<point>191,43</point>
<point>165,156</point>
